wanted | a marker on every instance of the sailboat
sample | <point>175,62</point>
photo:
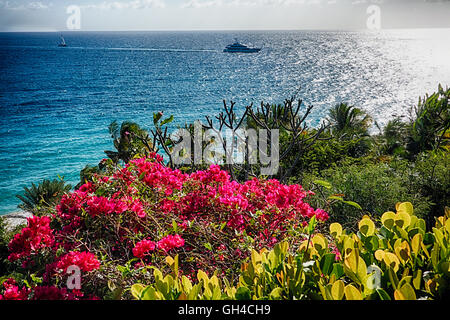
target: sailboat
<point>62,43</point>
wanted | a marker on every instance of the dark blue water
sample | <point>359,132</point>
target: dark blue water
<point>56,103</point>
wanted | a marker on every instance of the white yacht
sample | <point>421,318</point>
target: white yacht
<point>238,47</point>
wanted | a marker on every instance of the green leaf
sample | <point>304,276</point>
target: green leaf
<point>136,290</point>
<point>383,294</point>
<point>311,225</point>
<point>371,243</point>
<point>156,117</point>
<point>168,120</point>
<point>243,293</point>
<point>353,204</point>
<point>174,226</point>
<point>323,183</point>
<point>326,263</point>
<point>335,198</point>
<point>338,270</point>
<point>276,294</point>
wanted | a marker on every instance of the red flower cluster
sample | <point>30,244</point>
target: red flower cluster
<point>143,247</point>
<point>169,242</point>
<point>12,291</point>
<point>30,240</point>
<point>159,176</point>
<point>124,212</point>
<point>103,206</point>
<point>86,261</point>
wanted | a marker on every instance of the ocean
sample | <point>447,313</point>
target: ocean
<point>56,103</point>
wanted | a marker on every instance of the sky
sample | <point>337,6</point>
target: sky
<point>115,15</point>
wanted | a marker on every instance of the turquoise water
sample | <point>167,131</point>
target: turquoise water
<point>56,103</point>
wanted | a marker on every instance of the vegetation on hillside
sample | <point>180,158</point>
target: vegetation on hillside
<point>348,215</point>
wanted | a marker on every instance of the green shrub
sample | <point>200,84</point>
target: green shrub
<point>3,246</point>
<point>374,186</point>
<point>393,138</point>
<point>325,153</point>
<point>348,122</point>
<point>5,236</point>
<point>431,177</point>
<point>431,123</point>
<point>129,140</point>
<point>43,196</point>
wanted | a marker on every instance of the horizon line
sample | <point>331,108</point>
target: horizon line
<point>219,30</point>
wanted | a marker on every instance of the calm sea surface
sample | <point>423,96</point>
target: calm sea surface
<point>56,103</point>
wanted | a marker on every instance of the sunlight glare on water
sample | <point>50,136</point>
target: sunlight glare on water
<point>56,103</point>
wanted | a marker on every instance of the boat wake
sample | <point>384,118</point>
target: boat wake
<point>122,49</point>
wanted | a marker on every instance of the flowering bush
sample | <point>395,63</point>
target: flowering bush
<point>138,214</point>
<point>36,236</point>
<point>398,261</point>
<point>11,291</point>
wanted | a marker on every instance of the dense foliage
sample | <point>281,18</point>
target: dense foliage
<point>136,226</point>
<point>46,194</point>
<point>399,260</point>
<point>144,211</point>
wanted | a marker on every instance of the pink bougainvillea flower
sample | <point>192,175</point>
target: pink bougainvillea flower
<point>36,236</point>
<point>86,261</point>
<point>13,292</point>
<point>169,242</point>
<point>142,248</point>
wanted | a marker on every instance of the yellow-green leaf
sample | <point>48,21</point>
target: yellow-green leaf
<point>444,266</point>
<point>447,225</point>
<point>406,292</point>
<point>276,294</point>
<point>391,260</point>
<point>416,242</point>
<point>417,279</point>
<point>403,251</point>
<point>366,227</point>
<point>402,219</point>
<point>379,255</point>
<point>337,290</point>
<point>362,270</point>
<point>352,293</point>
<point>387,219</point>
<point>351,261</point>
<point>202,276</point>
<point>335,230</point>
<point>405,207</point>
<point>136,290</point>
<point>150,293</point>
<point>319,242</point>
<point>186,283</point>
